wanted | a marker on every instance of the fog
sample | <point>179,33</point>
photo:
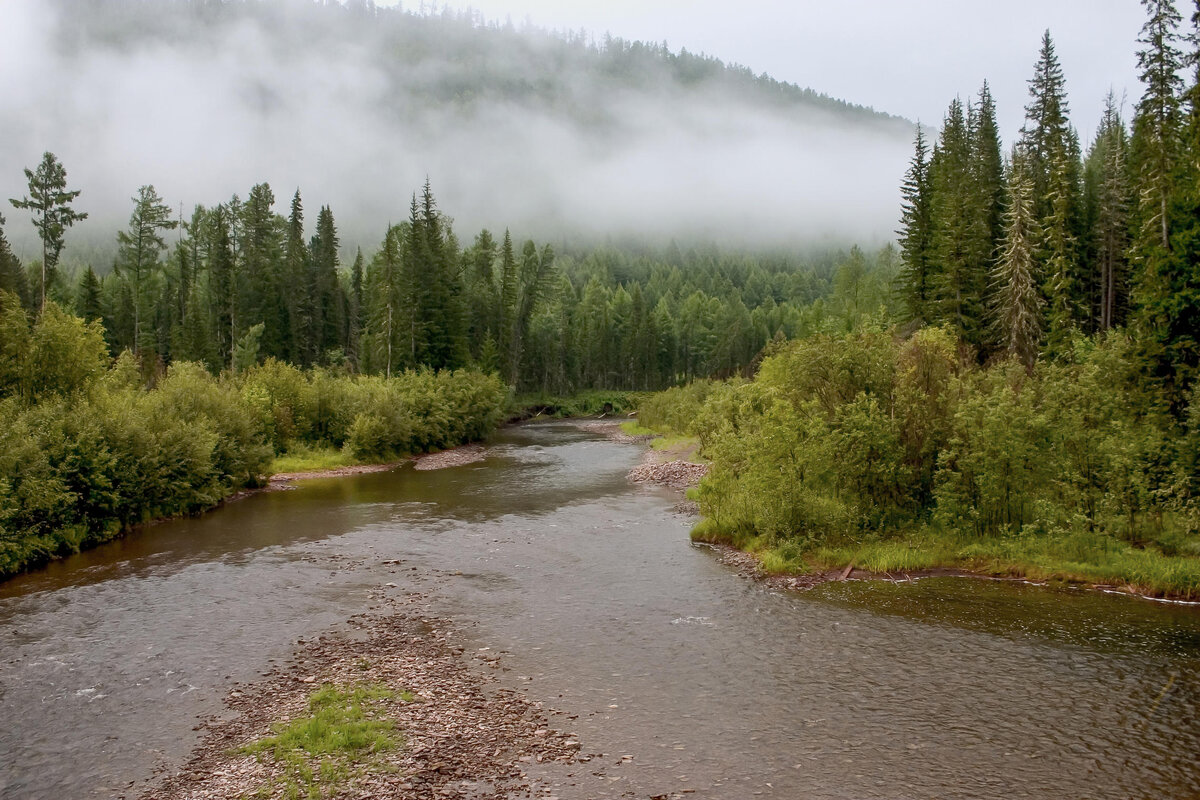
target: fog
<point>207,112</point>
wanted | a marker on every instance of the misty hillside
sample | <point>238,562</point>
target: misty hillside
<point>550,133</point>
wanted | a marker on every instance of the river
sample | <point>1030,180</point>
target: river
<point>589,587</point>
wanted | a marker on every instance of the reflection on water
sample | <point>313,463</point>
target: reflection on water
<point>946,688</point>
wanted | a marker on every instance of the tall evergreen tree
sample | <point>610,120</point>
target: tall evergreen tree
<point>961,279</point>
<point>140,248</point>
<point>328,304</point>
<point>1016,301</point>
<point>223,281</point>
<point>1156,125</point>
<point>50,201</point>
<point>296,278</point>
<point>87,296</point>
<point>385,292</point>
<point>1108,200</point>
<point>1159,273</point>
<point>354,311</point>
<point>916,278</point>
<point>262,266</point>
<point>509,294</point>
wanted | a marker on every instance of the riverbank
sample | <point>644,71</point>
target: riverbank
<point>674,462</point>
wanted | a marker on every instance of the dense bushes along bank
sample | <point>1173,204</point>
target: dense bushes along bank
<point>87,451</point>
<point>899,454</point>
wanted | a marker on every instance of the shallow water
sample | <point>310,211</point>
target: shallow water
<point>937,688</point>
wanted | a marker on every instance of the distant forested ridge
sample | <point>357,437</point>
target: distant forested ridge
<point>451,58</point>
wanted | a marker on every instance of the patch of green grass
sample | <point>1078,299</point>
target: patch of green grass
<point>343,729</point>
<point>634,429</point>
<point>303,458</point>
<point>1079,557</point>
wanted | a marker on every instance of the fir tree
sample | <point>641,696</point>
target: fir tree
<point>1161,257</point>
<point>50,201</point>
<point>961,280</point>
<point>87,296</point>
<point>1108,198</point>
<point>262,266</point>
<point>1016,302</point>
<point>139,252</point>
<point>916,277</point>
<point>328,304</point>
<point>354,310</point>
<point>299,295</point>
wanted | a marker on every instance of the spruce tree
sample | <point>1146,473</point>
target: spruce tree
<point>1160,255</point>
<point>916,278</point>
<point>138,256</point>
<point>1108,199</point>
<point>1016,301</point>
<point>87,296</point>
<point>223,283</point>
<point>50,201</point>
<point>299,291</point>
<point>354,311</point>
<point>961,279</point>
<point>509,293</point>
<point>262,265</point>
<point>328,304</point>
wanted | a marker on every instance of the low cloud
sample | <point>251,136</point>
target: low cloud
<point>206,116</point>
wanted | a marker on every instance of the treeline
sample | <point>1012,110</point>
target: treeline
<point>238,283</point>
<point>87,450</point>
<point>1018,254</point>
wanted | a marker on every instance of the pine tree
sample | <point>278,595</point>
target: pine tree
<point>1016,301</point>
<point>916,278</point>
<point>50,202</point>
<point>139,250</point>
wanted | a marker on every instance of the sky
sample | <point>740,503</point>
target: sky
<point>905,57</point>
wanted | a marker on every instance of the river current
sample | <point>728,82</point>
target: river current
<point>590,588</point>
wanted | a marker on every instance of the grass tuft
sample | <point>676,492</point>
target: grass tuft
<point>343,728</point>
<point>303,458</point>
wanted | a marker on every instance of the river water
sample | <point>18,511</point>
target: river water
<point>589,587</point>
